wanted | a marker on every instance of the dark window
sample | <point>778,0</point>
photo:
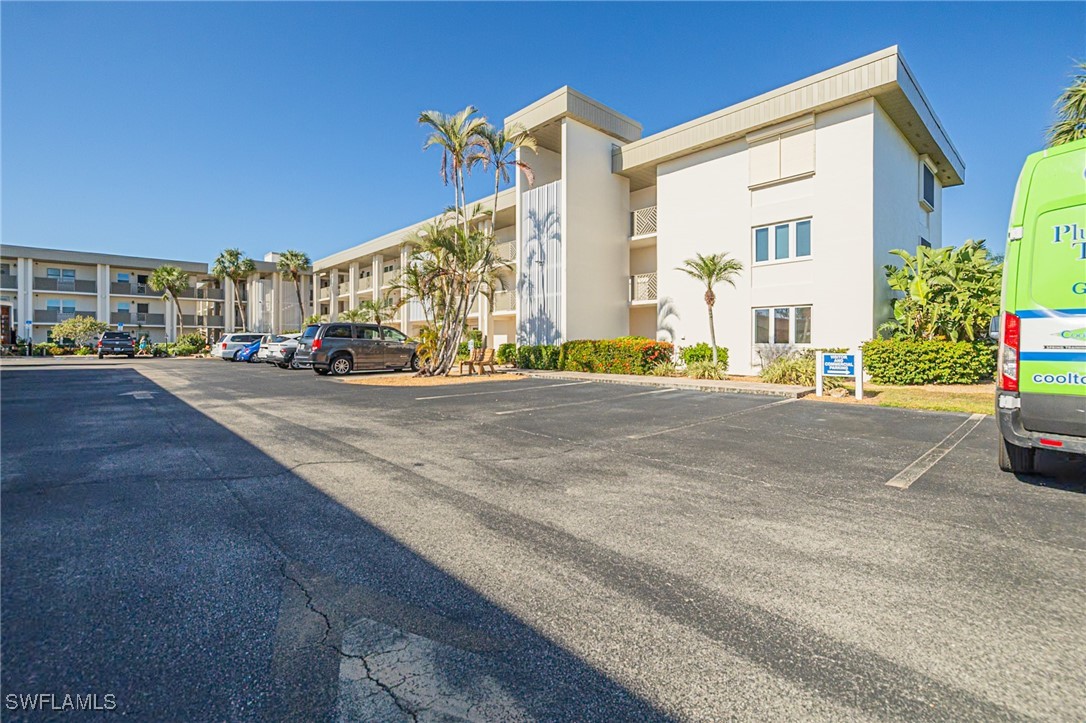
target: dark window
<point>925,243</point>
<point>337,331</point>
<point>142,308</point>
<point>929,186</point>
<point>366,332</point>
<point>394,334</point>
<point>310,331</point>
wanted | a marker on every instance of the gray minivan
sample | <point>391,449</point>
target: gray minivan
<point>340,348</point>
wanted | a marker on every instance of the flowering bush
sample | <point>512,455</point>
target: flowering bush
<point>625,355</point>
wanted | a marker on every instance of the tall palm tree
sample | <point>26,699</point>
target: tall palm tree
<point>173,282</point>
<point>457,136</point>
<point>292,265</point>
<point>498,148</point>
<point>1070,122</point>
<point>233,264</point>
<point>712,270</point>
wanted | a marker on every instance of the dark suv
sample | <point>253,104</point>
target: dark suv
<point>340,348</point>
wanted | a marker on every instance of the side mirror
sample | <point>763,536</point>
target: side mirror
<point>993,329</point>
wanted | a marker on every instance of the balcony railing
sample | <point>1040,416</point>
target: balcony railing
<point>344,288</point>
<point>136,318</point>
<point>643,221</point>
<point>643,287</point>
<point>52,316</point>
<point>7,281</point>
<point>365,283</point>
<point>389,277</point>
<point>504,301</point>
<point>208,321</point>
<point>506,250</point>
<point>207,293</point>
<point>128,289</point>
<point>325,293</point>
<point>76,285</point>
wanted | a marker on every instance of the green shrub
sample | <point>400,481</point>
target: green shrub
<point>48,348</point>
<point>798,368</point>
<point>664,368</point>
<point>507,354</point>
<point>703,352</point>
<point>462,352</point>
<point>542,356</point>
<point>195,340</point>
<point>160,349</point>
<point>83,351</point>
<point>183,349</point>
<point>706,369</point>
<point>625,355</point>
<point>893,361</point>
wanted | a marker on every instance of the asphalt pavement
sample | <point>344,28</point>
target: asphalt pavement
<point>212,541</point>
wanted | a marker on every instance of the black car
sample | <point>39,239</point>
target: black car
<point>116,342</point>
<point>340,348</point>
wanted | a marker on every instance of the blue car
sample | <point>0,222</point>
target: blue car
<point>248,353</point>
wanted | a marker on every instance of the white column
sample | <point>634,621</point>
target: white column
<point>333,295</point>
<point>405,315</point>
<point>102,281</point>
<point>352,285</point>
<point>378,264</point>
<point>24,281</point>
<point>315,291</point>
<point>277,302</point>
<point>252,306</point>
<point>484,321</point>
<point>229,307</point>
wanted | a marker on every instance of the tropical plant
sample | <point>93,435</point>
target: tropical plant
<point>82,330</point>
<point>706,370</point>
<point>314,319</point>
<point>1070,122</point>
<point>798,368</point>
<point>379,311</point>
<point>172,282</point>
<point>712,270</point>
<point>457,135</point>
<point>665,368</point>
<point>947,293</point>
<point>233,264</point>
<point>497,148</point>
<point>292,266</point>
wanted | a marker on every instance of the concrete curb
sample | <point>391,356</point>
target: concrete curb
<point>701,385</point>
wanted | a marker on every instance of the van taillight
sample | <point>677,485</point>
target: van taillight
<point>224,345</point>
<point>1008,352</point>
<point>316,344</point>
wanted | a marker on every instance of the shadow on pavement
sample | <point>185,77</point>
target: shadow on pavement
<point>152,554</point>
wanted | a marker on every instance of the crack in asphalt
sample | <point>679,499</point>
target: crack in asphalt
<point>387,689</point>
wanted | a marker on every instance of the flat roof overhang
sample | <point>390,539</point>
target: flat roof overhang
<point>544,118</point>
<point>883,76</point>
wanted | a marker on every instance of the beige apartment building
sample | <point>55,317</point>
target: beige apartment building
<point>40,287</point>
<point>810,186</point>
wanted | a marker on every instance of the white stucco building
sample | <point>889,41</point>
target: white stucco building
<point>46,286</point>
<point>809,186</point>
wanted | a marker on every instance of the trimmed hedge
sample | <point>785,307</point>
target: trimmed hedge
<point>703,352</point>
<point>893,361</point>
<point>542,356</point>
<point>507,354</point>
<point>625,355</point>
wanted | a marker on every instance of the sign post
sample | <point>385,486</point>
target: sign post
<point>840,365</point>
<point>29,335</point>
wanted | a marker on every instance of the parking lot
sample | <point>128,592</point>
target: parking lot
<point>212,540</point>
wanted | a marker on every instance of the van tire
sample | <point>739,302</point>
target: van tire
<point>340,365</point>
<point>1012,458</point>
<point>414,362</point>
<point>321,372</point>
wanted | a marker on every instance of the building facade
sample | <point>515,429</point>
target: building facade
<point>810,186</point>
<point>46,286</point>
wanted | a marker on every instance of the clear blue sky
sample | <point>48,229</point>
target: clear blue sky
<point>176,130</point>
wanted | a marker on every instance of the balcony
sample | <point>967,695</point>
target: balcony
<point>137,319</point>
<point>7,281</point>
<point>78,286</point>
<point>643,288</point>
<point>124,288</point>
<point>365,283</point>
<point>206,293</point>
<point>200,320</point>
<point>506,250</point>
<point>52,316</point>
<point>325,293</point>
<point>504,302</point>
<point>643,222</point>
<point>388,278</point>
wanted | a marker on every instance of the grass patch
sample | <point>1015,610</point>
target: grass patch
<point>966,398</point>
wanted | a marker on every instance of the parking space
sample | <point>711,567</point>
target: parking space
<point>663,552</point>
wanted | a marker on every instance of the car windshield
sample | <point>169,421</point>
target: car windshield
<point>116,335</point>
<point>310,331</point>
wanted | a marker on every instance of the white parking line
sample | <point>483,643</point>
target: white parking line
<point>710,420</point>
<point>926,461</point>
<point>587,401</point>
<point>500,391</point>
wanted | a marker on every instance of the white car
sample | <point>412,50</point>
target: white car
<point>230,344</point>
<point>280,351</point>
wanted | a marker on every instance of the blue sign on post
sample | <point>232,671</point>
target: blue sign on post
<point>840,365</point>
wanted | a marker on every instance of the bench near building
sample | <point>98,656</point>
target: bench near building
<point>46,286</point>
<point>810,186</point>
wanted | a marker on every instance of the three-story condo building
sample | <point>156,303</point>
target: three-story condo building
<point>810,186</point>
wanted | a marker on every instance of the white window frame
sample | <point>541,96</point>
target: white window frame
<point>772,230</point>
<point>924,204</point>
<point>791,324</point>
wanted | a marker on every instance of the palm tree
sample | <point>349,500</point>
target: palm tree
<point>498,148</point>
<point>712,270</point>
<point>173,282</point>
<point>1070,122</point>
<point>379,310</point>
<point>233,264</point>
<point>292,265</point>
<point>457,136</point>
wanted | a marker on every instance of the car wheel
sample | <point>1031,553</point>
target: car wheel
<point>283,365</point>
<point>234,358</point>
<point>321,372</point>
<point>341,365</point>
<point>1013,458</point>
<point>414,362</point>
<point>294,364</point>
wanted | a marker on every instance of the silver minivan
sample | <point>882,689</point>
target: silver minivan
<point>340,348</point>
<point>227,347</point>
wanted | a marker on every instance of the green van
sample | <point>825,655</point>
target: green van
<point>1041,387</point>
